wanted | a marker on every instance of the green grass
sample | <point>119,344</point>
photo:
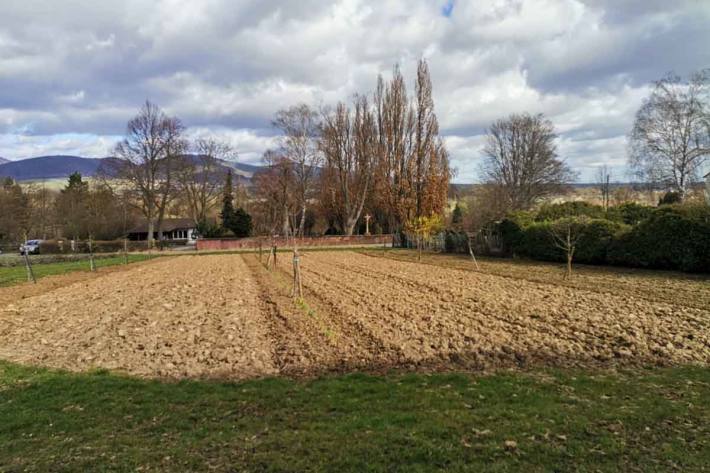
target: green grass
<point>650,420</point>
<point>17,274</point>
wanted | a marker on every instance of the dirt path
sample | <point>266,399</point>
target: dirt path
<point>197,316</point>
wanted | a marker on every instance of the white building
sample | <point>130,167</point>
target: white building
<point>174,229</point>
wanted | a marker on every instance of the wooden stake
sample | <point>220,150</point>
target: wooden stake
<point>28,266</point>
<point>297,286</point>
<point>125,251</point>
<point>92,266</point>
<point>470,252</point>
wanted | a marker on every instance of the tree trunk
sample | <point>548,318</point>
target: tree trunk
<point>285,224</point>
<point>350,226</point>
<point>151,227</point>
<point>302,223</point>
<point>569,266</point>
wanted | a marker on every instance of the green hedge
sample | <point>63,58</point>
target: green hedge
<point>673,237</point>
<point>667,237</point>
<point>536,241</point>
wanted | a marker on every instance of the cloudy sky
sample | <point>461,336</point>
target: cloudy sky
<point>72,72</point>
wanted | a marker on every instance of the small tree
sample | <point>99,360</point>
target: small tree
<point>603,177</point>
<point>566,233</point>
<point>457,215</point>
<point>423,228</point>
<point>241,224</point>
<point>227,214</point>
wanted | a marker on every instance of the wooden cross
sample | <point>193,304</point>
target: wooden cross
<point>367,224</point>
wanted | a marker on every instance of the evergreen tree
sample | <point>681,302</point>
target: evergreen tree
<point>241,224</point>
<point>227,213</point>
<point>457,215</point>
<point>73,207</point>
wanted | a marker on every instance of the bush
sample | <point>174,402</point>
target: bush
<point>629,213</point>
<point>569,209</point>
<point>455,242</point>
<point>536,240</point>
<point>207,229</point>
<point>670,197</point>
<point>673,237</point>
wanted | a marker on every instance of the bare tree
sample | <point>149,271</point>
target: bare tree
<point>602,180</point>
<point>566,233</point>
<point>147,161</point>
<point>299,143</point>
<point>670,139</point>
<point>200,176</point>
<point>521,157</point>
<point>395,145</point>
<point>348,146</point>
<point>275,190</point>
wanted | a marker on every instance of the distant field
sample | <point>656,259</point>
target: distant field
<point>18,274</point>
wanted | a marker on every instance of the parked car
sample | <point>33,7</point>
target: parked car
<point>31,247</point>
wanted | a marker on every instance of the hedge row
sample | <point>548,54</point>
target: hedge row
<point>667,237</point>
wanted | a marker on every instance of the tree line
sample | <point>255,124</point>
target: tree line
<point>380,154</point>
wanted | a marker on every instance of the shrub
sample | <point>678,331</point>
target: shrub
<point>670,197</point>
<point>455,242</point>
<point>629,213</point>
<point>569,209</point>
<point>673,237</point>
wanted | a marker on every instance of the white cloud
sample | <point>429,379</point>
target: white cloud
<point>71,80</point>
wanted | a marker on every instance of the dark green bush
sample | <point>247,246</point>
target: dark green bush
<point>673,237</point>
<point>455,241</point>
<point>629,213</point>
<point>569,209</point>
<point>670,197</point>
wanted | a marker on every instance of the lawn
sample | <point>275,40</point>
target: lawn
<point>641,420</point>
<point>17,274</point>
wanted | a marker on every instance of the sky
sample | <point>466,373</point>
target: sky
<point>73,72</point>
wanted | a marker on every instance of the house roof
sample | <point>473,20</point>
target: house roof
<point>169,224</point>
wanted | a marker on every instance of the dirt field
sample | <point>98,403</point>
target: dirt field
<point>227,316</point>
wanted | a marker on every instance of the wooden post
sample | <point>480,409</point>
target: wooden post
<point>470,252</point>
<point>28,266</point>
<point>92,266</point>
<point>274,248</point>
<point>260,252</point>
<point>297,286</point>
<point>125,251</point>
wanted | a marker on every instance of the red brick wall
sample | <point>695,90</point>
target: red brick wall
<point>253,242</point>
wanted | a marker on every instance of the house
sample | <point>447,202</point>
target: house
<point>174,229</point>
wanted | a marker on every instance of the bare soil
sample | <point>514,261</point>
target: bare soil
<point>227,316</point>
<point>191,316</point>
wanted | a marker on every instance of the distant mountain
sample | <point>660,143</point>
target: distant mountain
<point>49,167</point>
<point>3,160</point>
<point>60,167</point>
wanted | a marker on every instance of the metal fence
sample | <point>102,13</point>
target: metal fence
<point>16,268</point>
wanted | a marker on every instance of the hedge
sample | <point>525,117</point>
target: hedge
<point>667,237</point>
<point>673,237</point>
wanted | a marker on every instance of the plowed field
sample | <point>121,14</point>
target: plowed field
<point>227,316</point>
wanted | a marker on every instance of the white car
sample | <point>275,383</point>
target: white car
<point>31,247</point>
